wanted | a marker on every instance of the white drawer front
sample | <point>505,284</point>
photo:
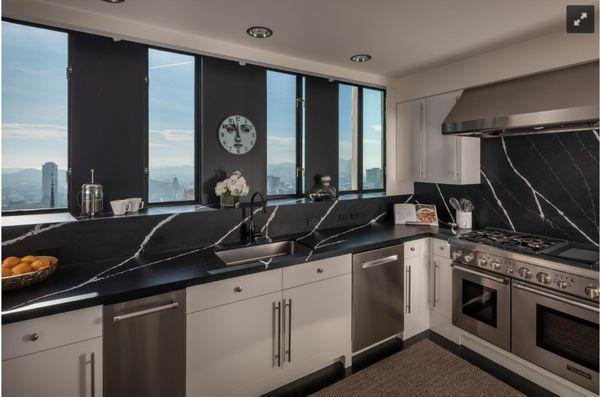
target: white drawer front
<point>412,249</point>
<point>441,248</point>
<point>318,270</point>
<point>30,336</point>
<point>231,290</point>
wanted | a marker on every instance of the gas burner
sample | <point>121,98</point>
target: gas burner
<point>516,241</point>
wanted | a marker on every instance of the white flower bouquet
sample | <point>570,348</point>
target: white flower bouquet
<point>231,189</point>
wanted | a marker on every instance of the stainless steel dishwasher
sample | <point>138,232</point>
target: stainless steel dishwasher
<point>377,296</point>
<point>144,347</point>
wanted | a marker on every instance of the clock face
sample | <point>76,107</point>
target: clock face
<point>237,134</point>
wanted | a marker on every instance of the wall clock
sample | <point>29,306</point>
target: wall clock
<point>237,134</point>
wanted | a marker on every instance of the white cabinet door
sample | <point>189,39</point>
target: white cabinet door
<point>316,327</point>
<point>442,289</point>
<point>74,370</point>
<point>416,313</point>
<point>410,123</point>
<point>441,151</point>
<point>231,349</point>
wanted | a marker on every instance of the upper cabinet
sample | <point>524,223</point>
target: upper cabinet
<point>436,158</point>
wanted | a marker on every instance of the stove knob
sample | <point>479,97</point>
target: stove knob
<point>543,278</point>
<point>456,254</point>
<point>562,284</point>
<point>496,265</point>
<point>525,273</point>
<point>510,269</point>
<point>592,291</point>
<point>482,262</point>
<point>468,257</point>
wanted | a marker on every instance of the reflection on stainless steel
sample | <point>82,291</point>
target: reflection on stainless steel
<point>377,296</point>
<point>144,347</point>
<point>253,253</point>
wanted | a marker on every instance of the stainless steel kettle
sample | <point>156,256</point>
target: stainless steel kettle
<point>92,197</point>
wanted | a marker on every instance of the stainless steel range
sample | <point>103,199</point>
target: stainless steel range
<point>529,295</point>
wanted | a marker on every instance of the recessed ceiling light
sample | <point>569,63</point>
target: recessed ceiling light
<point>114,1</point>
<point>259,32</point>
<point>360,58</point>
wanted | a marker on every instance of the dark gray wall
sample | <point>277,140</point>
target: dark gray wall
<point>230,88</point>
<point>108,115</point>
<point>321,130</point>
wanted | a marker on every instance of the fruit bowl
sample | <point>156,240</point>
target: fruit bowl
<point>36,271</point>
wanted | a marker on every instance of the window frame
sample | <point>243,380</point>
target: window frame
<point>197,135</point>
<point>68,208</point>
<point>300,124</point>
<point>299,135</point>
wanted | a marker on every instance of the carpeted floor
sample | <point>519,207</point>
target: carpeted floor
<point>423,369</point>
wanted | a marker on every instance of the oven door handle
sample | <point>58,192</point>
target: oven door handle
<point>500,280</point>
<point>556,298</point>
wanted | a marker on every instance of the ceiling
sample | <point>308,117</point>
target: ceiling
<point>403,36</point>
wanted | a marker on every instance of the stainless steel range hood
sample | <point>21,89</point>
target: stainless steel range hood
<point>557,101</point>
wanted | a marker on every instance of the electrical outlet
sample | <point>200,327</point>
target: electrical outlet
<point>343,217</point>
<point>354,215</point>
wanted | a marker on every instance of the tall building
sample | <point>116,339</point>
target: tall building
<point>49,184</point>
<point>175,189</point>
<point>374,179</point>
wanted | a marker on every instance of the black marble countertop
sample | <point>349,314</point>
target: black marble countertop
<point>83,285</point>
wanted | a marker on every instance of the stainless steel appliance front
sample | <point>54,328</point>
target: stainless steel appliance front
<point>557,332</point>
<point>377,296</point>
<point>481,304</point>
<point>144,347</point>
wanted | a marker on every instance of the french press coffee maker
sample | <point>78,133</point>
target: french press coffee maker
<point>92,197</point>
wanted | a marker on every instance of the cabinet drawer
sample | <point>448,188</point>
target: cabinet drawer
<point>44,333</point>
<point>317,270</point>
<point>412,249</point>
<point>441,248</point>
<point>231,290</point>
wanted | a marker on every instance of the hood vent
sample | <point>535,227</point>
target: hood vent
<point>558,101</point>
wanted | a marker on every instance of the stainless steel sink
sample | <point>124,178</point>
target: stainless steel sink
<point>253,253</point>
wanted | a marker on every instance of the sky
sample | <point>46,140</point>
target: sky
<point>34,96</point>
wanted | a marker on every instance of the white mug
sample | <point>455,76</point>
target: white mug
<point>464,219</point>
<point>136,204</point>
<point>120,207</point>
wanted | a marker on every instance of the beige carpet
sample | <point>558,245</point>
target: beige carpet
<point>423,369</point>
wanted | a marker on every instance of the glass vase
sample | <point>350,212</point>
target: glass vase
<point>228,200</point>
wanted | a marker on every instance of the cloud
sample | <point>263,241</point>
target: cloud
<point>33,131</point>
<point>159,145</point>
<point>372,141</point>
<point>174,135</point>
<point>376,127</point>
<point>282,141</point>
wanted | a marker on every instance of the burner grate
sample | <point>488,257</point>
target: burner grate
<point>530,243</point>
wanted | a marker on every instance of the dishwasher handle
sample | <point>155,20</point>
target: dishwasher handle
<point>127,316</point>
<point>380,261</point>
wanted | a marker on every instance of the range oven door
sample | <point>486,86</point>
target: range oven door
<point>481,304</point>
<point>556,332</point>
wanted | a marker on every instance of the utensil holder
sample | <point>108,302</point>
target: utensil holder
<point>464,219</point>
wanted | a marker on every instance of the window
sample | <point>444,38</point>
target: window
<point>372,108</point>
<point>348,138</point>
<point>34,117</point>
<point>171,124</point>
<point>281,133</point>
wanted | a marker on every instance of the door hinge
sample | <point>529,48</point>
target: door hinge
<point>146,79</point>
<point>69,71</point>
<point>146,171</point>
<point>300,102</point>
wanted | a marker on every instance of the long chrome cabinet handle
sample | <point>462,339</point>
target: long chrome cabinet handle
<point>409,281</point>
<point>557,298</point>
<point>488,276</point>
<point>122,317</point>
<point>93,377</point>
<point>277,325</point>
<point>435,267</point>
<point>289,328</point>
<point>381,261</point>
